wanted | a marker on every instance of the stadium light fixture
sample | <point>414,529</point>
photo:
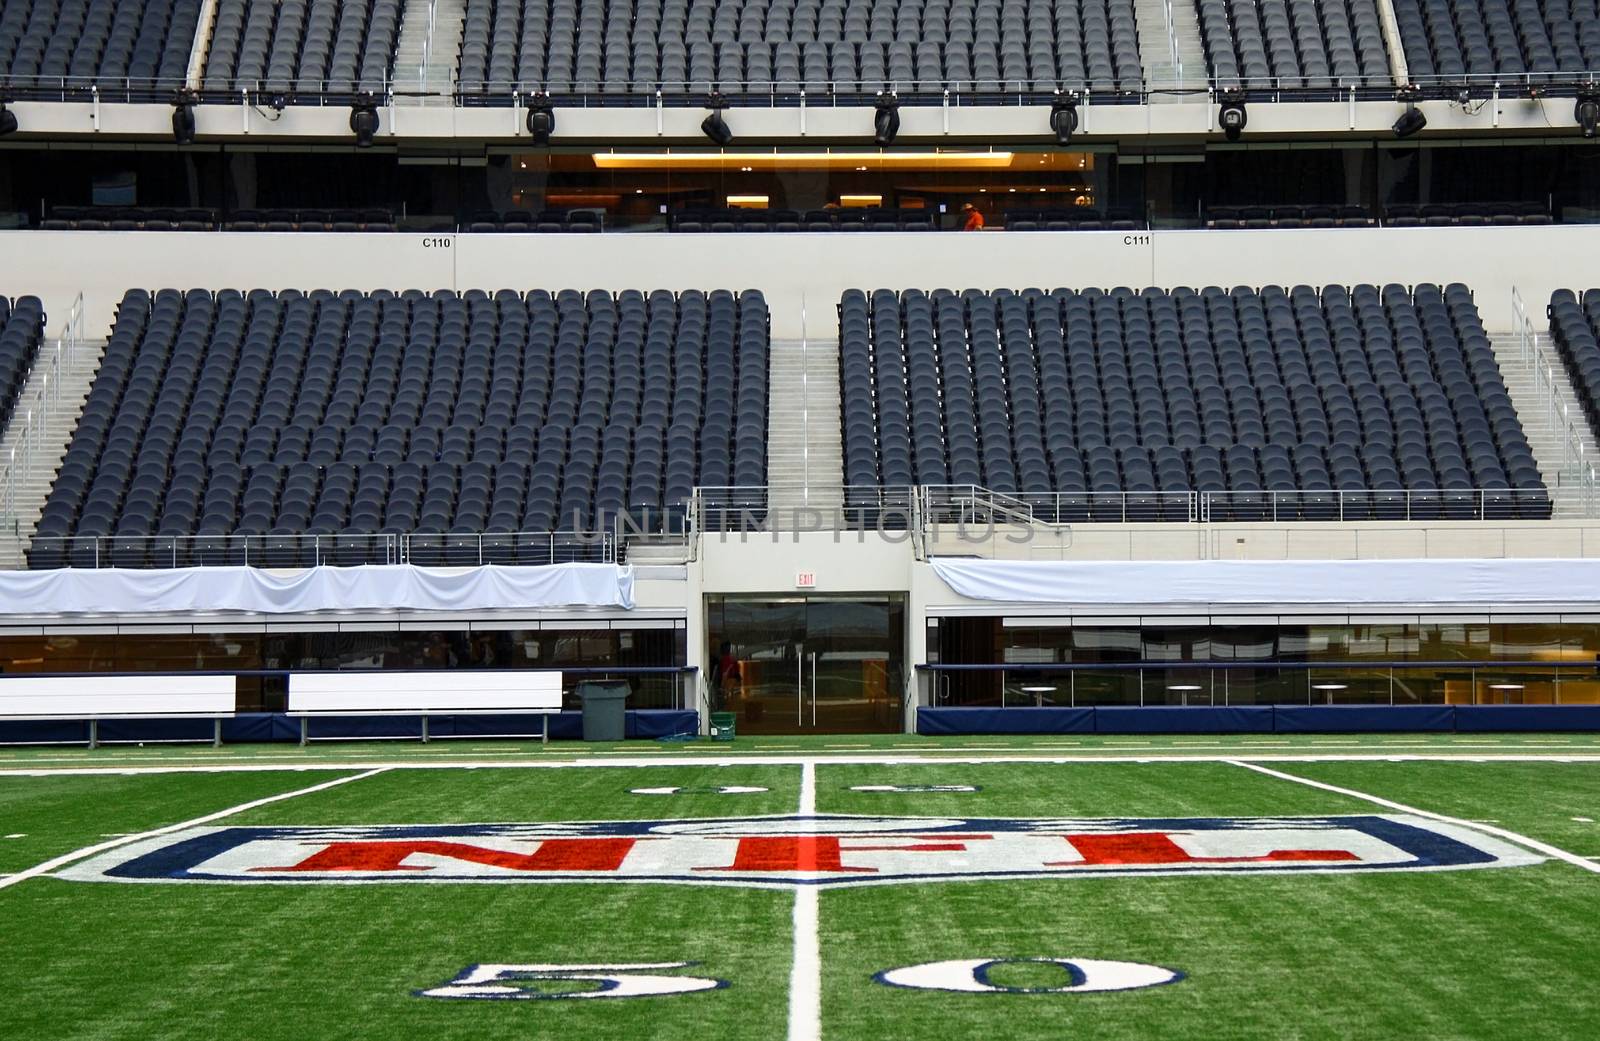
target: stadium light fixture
<point>1587,111</point>
<point>1064,117</point>
<point>1185,687</point>
<point>8,120</point>
<point>364,121</point>
<point>183,118</point>
<point>1411,120</point>
<point>541,119</point>
<point>714,126</point>
<point>1231,116</point>
<point>1038,689</point>
<point>886,119</point>
<point>1330,686</point>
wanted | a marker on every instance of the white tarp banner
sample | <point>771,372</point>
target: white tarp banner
<point>1468,583</point>
<point>372,587</point>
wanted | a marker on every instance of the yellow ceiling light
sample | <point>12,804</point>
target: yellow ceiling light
<point>954,160</point>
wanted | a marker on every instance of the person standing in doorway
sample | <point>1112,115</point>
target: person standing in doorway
<point>974,218</point>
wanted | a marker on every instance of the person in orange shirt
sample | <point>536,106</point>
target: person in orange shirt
<point>974,218</point>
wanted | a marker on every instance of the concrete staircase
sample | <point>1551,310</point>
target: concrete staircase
<point>1547,417</point>
<point>427,53</point>
<point>805,461</point>
<point>26,476</point>
<point>1156,47</point>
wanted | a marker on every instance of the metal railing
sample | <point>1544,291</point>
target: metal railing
<point>300,551</point>
<point>1267,682</point>
<point>29,455</point>
<point>1577,468</point>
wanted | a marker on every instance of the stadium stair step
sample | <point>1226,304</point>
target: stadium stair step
<point>805,466</point>
<point>425,63</point>
<point>1541,414</point>
<point>30,484</point>
<point>1172,56</point>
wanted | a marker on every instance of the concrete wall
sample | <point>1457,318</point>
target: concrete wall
<point>1349,540</point>
<point>1192,117</point>
<point>802,275</point>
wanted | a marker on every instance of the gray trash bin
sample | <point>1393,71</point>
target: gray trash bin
<point>604,718</point>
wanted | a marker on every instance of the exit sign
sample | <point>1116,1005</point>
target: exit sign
<point>805,579</point>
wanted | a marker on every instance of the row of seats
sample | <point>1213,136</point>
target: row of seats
<point>21,333</point>
<point>1470,214</point>
<point>353,414</point>
<point>1288,217</point>
<point>310,220</point>
<point>581,221</point>
<point>110,43</point>
<point>1450,39</point>
<point>845,46</point>
<point>1294,43</point>
<point>1038,394</point>
<point>811,220</point>
<point>1078,218</point>
<point>287,47</point>
<point>1575,328</point>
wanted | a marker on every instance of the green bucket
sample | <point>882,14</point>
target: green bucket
<point>722,726</point>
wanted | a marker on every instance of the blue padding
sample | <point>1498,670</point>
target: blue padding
<point>260,726</point>
<point>362,726</point>
<point>44,732</point>
<point>933,721</point>
<point>1481,718</point>
<point>156,729</point>
<point>1174,719</point>
<point>661,722</point>
<point>1363,719</point>
<point>484,726</point>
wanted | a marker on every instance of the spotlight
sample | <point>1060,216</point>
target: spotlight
<point>183,118</point>
<point>1587,111</point>
<point>278,102</point>
<point>364,121</point>
<point>1064,117</point>
<point>541,119</point>
<point>1231,115</point>
<point>8,120</point>
<point>1411,120</point>
<point>714,126</point>
<point>886,120</point>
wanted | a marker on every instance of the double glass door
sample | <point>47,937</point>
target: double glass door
<point>808,664</point>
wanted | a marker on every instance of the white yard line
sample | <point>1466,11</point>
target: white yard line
<point>805,974</point>
<point>796,759</point>
<point>1523,840</point>
<point>89,851</point>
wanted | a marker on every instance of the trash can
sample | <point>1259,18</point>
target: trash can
<point>722,726</point>
<point>604,716</point>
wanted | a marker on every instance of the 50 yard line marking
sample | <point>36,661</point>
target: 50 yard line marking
<point>100,847</point>
<point>805,974</point>
<point>1534,844</point>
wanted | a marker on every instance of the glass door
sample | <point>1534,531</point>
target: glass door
<point>808,665</point>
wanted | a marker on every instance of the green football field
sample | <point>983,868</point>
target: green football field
<point>1303,890</point>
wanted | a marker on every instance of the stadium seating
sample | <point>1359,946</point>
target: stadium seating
<point>51,44</point>
<point>1118,405</point>
<point>822,46</point>
<point>306,47</point>
<point>1445,215</point>
<point>1261,217</point>
<point>460,419</point>
<point>1294,43</point>
<point>1079,218</point>
<point>21,333</point>
<point>1575,328</point>
<point>1450,39</point>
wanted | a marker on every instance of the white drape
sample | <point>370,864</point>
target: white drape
<point>366,588</point>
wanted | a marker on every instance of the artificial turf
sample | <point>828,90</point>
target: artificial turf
<point>1479,954</point>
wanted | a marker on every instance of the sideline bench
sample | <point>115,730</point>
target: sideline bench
<point>452,692</point>
<point>94,698</point>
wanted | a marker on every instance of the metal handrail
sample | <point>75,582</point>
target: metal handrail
<point>301,551</point>
<point>1574,457</point>
<point>22,462</point>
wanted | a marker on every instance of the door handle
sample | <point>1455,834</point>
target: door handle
<point>813,688</point>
